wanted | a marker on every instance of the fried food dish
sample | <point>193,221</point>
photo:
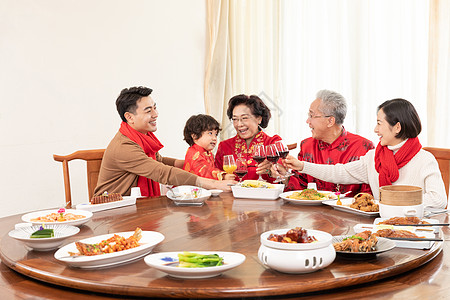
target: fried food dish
<point>114,244</point>
<point>362,242</point>
<point>294,236</point>
<point>58,217</point>
<point>403,221</point>
<point>309,194</point>
<point>396,233</point>
<point>364,202</point>
<point>257,184</point>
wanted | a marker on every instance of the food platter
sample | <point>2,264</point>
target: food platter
<point>61,232</point>
<point>260,193</point>
<point>285,195</point>
<point>402,244</point>
<point>346,207</point>
<point>167,262</point>
<point>431,221</point>
<point>127,200</point>
<point>182,195</point>
<point>32,215</point>
<point>148,241</point>
<point>383,245</point>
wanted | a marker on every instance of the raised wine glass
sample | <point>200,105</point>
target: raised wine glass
<point>259,155</point>
<point>229,164</point>
<point>241,168</point>
<point>283,151</point>
<point>272,153</point>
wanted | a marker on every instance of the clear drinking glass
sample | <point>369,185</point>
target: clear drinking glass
<point>241,168</point>
<point>259,155</point>
<point>283,151</point>
<point>229,164</point>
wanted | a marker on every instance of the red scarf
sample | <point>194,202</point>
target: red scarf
<point>150,144</point>
<point>387,164</point>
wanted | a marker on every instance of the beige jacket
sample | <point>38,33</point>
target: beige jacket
<point>124,161</point>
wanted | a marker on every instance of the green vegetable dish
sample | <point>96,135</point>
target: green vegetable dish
<point>43,233</point>
<point>195,260</point>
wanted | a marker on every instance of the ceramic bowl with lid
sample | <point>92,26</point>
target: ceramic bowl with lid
<point>297,258</point>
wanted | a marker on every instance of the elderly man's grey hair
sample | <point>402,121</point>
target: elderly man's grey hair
<point>333,104</point>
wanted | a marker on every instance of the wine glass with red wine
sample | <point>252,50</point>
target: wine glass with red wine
<point>241,168</point>
<point>259,155</point>
<point>272,153</point>
<point>283,151</point>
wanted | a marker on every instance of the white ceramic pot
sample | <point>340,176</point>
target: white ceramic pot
<point>389,211</point>
<point>297,258</point>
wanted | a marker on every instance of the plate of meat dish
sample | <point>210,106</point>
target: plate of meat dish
<point>107,201</point>
<point>308,197</point>
<point>405,221</point>
<point>362,245</point>
<point>72,217</point>
<point>405,232</point>
<point>109,249</point>
<point>361,204</point>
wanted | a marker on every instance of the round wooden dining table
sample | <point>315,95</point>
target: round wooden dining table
<point>223,224</point>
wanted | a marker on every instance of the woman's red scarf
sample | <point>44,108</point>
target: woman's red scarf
<point>387,164</point>
<point>150,144</point>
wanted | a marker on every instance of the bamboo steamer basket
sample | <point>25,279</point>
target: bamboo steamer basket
<point>401,195</point>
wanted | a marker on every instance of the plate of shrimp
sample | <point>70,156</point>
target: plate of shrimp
<point>109,249</point>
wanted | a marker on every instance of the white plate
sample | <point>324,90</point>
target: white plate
<point>44,244</point>
<point>257,193</point>
<point>383,245</point>
<point>186,199</point>
<point>149,240</point>
<point>88,215</point>
<point>346,207</point>
<point>127,200</point>
<point>167,262</point>
<point>323,240</point>
<point>401,244</point>
<point>303,202</point>
<point>424,228</point>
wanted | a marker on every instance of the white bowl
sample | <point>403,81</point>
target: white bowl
<point>183,196</point>
<point>44,244</point>
<point>297,258</point>
<point>389,211</point>
<point>257,193</point>
<point>215,193</point>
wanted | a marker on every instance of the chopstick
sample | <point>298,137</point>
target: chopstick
<point>415,239</point>
<point>421,225</point>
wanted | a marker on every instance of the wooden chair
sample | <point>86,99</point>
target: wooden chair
<point>443,158</point>
<point>93,160</point>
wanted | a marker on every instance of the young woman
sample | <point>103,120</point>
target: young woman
<point>398,158</point>
<point>249,115</point>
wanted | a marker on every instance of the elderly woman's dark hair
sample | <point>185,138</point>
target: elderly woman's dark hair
<point>126,102</point>
<point>198,124</point>
<point>255,104</point>
<point>402,111</point>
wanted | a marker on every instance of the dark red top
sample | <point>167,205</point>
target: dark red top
<point>238,148</point>
<point>346,148</point>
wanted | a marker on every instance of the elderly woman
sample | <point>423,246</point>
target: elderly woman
<point>398,158</point>
<point>249,115</point>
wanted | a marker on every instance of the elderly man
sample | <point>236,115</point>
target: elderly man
<point>132,158</point>
<point>330,143</point>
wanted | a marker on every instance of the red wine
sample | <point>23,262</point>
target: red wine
<point>272,159</point>
<point>241,173</point>
<point>259,159</point>
<point>283,154</point>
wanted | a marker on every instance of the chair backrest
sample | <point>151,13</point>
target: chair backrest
<point>93,160</point>
<point>443,158</point>
<point>292,146</point>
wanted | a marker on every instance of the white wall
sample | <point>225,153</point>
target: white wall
<point>62,65</point>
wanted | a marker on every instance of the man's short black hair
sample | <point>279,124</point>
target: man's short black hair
<point>126,102</point>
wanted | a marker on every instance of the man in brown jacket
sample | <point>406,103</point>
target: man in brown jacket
<point>132,158</point>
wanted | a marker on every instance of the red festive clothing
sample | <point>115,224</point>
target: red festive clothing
<point>238,148</point>
<point>346,148</point>
<point>201,162</point>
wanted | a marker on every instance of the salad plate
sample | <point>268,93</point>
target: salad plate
<point>168,262</point>
<point>285,196</point>
<point>32,216</point>
<point>61,232</point>
<point>346,202</point>
<point>148,241</point>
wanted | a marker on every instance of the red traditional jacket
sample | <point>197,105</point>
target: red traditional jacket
<point>238,148</point>
<point>201,162</point>
<point>346,148</point>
